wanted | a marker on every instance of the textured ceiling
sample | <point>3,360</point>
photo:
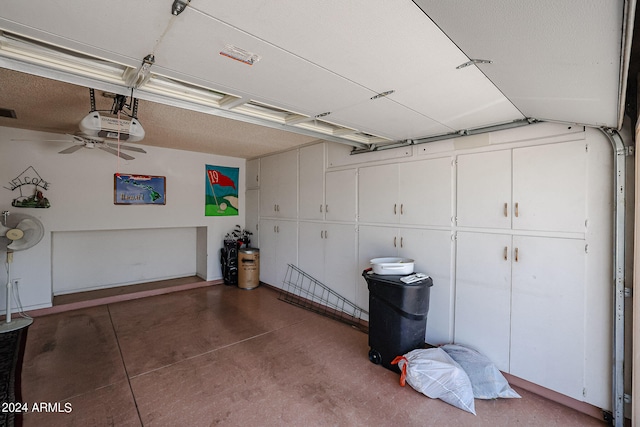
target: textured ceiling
<point>52,106</point>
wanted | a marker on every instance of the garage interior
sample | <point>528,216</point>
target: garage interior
<point>410,103</point>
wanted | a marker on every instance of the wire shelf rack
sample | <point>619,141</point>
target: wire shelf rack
<point>302,290</point>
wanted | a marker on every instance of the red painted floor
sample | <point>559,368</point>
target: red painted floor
<point>220,355</point>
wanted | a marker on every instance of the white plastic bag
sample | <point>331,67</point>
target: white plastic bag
<point>487,381</point>
<point>433,373</point>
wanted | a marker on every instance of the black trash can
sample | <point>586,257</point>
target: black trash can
<point>397,316</point>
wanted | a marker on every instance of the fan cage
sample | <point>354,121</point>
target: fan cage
<point>302,290</point>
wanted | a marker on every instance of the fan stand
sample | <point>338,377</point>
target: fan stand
<point>22,322</point>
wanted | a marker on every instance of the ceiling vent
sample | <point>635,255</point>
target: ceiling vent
<point>8,113</point>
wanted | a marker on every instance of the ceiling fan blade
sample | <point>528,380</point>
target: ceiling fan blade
<point>71,149</point>
<point>77,138</point>
<point>112,151</point>
<point>43,140</point>
<point>127,147</point>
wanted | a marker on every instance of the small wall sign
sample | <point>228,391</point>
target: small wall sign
<point>139,189</point>
<point>221,191</point>
<point>29,177</point>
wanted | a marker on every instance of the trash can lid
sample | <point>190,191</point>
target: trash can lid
<point>392,279</point>
<point>249,250</point>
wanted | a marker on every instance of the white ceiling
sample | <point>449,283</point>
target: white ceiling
<point>556,60</point>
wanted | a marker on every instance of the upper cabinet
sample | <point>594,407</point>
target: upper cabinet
<point>417,193</point>
<point>484,190</point>
<point>538,188</point>
<point>279,185</point>
<point>253,174</point>
<point>549,187</point>
<point>340,195</point>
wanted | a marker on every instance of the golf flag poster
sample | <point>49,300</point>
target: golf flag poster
<point>221,191</point>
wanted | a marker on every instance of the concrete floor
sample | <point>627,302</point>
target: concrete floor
<point>219,355</point>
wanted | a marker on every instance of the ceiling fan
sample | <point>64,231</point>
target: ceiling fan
<point>114,124</point>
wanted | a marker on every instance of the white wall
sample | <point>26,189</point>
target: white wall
<point>81,197</point>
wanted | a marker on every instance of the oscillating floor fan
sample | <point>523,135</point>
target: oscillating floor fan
<point>17,233</point>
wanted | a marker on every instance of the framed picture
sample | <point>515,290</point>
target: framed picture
<point>221,191</point>
<point>139,189</point>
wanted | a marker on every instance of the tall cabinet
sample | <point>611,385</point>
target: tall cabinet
<point>521,257</point>
<point>278,228</point>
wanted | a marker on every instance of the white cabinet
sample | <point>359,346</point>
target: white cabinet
<point>484,190</point>
<point>279,185</point>
<point>424,192</point>
<point>431,250</point>
<point>278,248</point>
<point>549,187</point>
<point>483,294</point>
<point>549,313</point>
<point>340,195</point>
<point>378,194</point>
<point>252,203</point>
<point>253,174</point>
<point>520,300</point>
<point>541,188</point>
<point>414,193</point>
<point>311,196</point>
<point>327,253</point>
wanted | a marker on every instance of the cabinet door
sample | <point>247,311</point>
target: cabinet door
<point>287,190</point>
<point>279,185</point>
<point>268,244</point>
<point>340,195</point>
<point>484,189</point>
<point>373,242</point>
<point>286,249</point>
<point>548,314</point>
<point>268,186</point>
<point>549,187</point>
<point>311,253</point>
<point>431,250</point>
<point>424,192</point>
<point>253,174</point>
<point>340,259</point>
<point>311,182</point>
<point>378,194</point>
<point>483,295</point>
<point>252,203</point>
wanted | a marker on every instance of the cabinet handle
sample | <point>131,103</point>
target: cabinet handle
<point>401,208</point>
<point>320,208</point>
<point>325,234</point>
<point>506,251</point>
<point>394,241</point>
<point>506,209</point>
<point>516,255</point>
<point>394,208</point>
<point>321,234</point>
<point>516,208</point>
<point>274,208</point>
<point>401,242</point>
<point>326,208</point>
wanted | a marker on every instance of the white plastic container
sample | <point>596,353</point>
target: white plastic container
<point>398,266</point>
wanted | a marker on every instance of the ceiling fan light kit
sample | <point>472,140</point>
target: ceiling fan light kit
<point>22,232</point>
